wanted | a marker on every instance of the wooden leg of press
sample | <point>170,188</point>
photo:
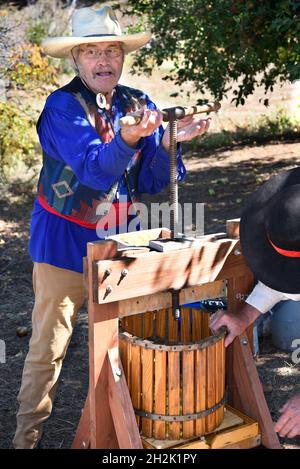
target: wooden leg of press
<point>250,391</point>
<point>82,436</point>
<point>123,416</point>
<point>245,391</point>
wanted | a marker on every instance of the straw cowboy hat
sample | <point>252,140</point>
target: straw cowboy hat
<point>90,25</point>
<point>270,232</point>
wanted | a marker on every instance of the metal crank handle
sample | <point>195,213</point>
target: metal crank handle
<point>178,112</point>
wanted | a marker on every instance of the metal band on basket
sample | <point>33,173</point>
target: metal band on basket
<point>180,418</point>
<point>151,345</point>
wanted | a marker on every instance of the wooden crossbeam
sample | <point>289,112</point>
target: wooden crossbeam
<point>158,301</point>
<point>154,272</point>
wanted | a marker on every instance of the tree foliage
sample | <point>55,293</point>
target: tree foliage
<point>27,75</point>
<point>220,45</point>
<point>18,142</point>
<point>30,69</point>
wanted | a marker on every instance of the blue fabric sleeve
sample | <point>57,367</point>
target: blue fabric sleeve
<point>155,171</point>
<point>96,164</point>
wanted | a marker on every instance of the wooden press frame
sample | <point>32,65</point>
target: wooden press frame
<point>108,419</point>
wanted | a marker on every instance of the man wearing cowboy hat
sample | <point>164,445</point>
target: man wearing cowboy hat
<point>270,240</point>
<point>87,160</point>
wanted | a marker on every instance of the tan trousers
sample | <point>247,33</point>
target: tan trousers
<point>59,293</point>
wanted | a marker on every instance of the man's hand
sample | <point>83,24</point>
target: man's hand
<point>187,128</point>
<point>235,323</point>
<point>289,422</point>
<point>151,120</point>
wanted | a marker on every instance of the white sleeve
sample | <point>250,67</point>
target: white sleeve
<point>264,298</point>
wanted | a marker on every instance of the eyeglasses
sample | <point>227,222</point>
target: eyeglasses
<point>92,53</point>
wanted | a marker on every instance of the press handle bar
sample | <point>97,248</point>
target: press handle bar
<point>177,112</point>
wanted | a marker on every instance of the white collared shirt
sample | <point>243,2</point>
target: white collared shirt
<point>264,298</point>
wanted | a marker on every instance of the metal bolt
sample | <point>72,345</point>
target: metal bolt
<point>124,272</point>
<point>119,372</point>
<point>107,272</point>
<point>237,252</point>
<point>244,341</point>
<point>109,289</point>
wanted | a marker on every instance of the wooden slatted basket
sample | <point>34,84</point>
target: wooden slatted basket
<point>175,372</point>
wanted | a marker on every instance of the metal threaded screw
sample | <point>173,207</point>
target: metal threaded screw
<point>173,177</point>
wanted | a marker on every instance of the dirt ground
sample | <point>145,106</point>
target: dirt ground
<point>223,181</point>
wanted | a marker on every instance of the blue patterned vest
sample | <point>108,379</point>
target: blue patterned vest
<point>59,190</point>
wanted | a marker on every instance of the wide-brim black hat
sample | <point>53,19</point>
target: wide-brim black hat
<point>270,232</point>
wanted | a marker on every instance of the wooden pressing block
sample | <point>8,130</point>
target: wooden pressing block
<point>139,238</point>
<point>229,438</point>
<point>236,431</point>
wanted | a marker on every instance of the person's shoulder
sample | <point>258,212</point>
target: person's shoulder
<point>63,99</point>
<point>133,92</point>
